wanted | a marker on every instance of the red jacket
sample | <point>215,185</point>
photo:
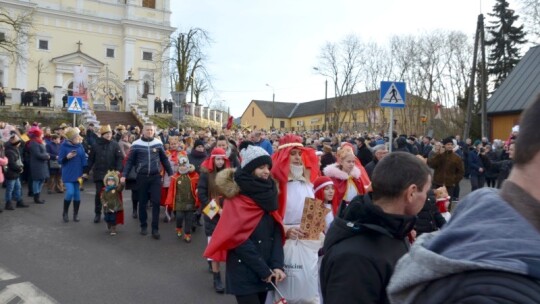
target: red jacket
<point>194,178</point>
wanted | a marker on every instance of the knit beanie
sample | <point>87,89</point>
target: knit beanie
<point>447,140</point>
<point>319,184</point>
<point>254,157</point>
<point>198,142</point>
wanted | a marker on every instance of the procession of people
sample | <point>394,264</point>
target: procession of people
<point>310,217</point>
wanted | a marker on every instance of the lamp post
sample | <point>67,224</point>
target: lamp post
<point>273,101</point>
<point>325,100</point>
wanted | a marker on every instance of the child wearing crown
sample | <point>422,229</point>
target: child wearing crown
<point>111,197</point>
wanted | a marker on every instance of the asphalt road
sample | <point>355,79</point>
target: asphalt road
<point>44,260</point>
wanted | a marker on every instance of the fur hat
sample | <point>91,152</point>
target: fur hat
<point>183,161</point>
<point>63,126</point>
<point>111,174</point>
<point>105,129</point>
<point>72,133</point>
<point>447,140</point>
<point>254,157</point>
<point>319,184</point>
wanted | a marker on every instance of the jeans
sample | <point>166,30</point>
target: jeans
<point>97,198</point>
<point>184,217</point>
<point>13,190</point>
<point>36,185</point>
<point>110,218</point>
<point>72,191</point>
<point>149,187</point>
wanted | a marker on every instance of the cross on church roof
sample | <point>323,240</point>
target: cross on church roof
<point>79,43</point>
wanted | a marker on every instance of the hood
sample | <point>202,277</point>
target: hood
<point>484,232</point>
<point>334,172</point>
<point>226,184</point>
<point>362,215</point>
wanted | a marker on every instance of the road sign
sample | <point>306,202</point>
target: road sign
<point>393,94</point>
<point>74,105</point>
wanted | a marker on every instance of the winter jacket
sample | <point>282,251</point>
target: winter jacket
<point>361,250</point>
<point>477,161</point>
<point>14,166</point>
<point>104,155</point>
<point>53,149</point>
<point>39,161</point>
<point>448,168</point>
<point>72,168</point>
<point>327,159</point>
<point>147,156</point>
<point>371,166</point>
<point>193,179</point>
<point>250,262</point>
<point>487,253</point>
<point>196,158</point>
<point>365,155</point>
<point>429,219</point>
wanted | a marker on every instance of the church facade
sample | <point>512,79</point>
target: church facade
<point>91,48</point>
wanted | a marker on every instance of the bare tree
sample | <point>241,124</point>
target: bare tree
<point>19,26</point>
<point>41,68</point>
<point>530,10</point>
<point>187,60</point>
<point>341,62</point>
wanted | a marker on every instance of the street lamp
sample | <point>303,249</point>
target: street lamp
<point>325,99</point>
<point>273,101</point>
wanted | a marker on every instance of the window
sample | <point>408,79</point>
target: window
<point>282,124</point>
<point>2,36</point>
<point>43,44</point>
<point>252,112</point>
<point>110,53</point>
<point>149,3</point>
<point>147,56</point>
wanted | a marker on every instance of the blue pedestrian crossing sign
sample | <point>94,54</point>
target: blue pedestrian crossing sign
<point>74,105</point>
<point>393,94</point>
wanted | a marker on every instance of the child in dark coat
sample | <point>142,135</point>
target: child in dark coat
<point>111,197</point>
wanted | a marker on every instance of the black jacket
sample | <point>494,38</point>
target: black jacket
<point>365,155</point>
<point>361,251</point>
<point>429,219</point>
<point>105,155</point>
<point>15,166</point>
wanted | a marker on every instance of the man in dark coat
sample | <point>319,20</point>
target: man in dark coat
<point>364,153</point>
<point>379,152</point>
<point>362,248</point>
<point>488,251</point>
<point>105,155</point>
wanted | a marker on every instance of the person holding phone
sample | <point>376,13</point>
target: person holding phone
<point>73,160</point>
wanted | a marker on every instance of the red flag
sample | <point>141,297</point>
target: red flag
<point>229,122</point>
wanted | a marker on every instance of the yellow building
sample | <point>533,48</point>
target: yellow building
<point>356,112</point>
<point>111,39</point>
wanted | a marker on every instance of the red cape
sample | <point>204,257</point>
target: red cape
<point>229,234</point>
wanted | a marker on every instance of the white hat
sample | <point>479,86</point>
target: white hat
<point>515,128</point>
<point>254,157</point>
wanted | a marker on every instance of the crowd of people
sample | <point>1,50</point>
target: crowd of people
<point>376,203</point>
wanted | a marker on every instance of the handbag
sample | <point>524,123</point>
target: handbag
<point>54,164</point>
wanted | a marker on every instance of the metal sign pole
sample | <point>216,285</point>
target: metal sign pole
<point>74,120</point>
<point>391,131</point>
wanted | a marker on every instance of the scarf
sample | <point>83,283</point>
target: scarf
<point>109,188</point>
<point>198,154</point>
<point>262,191</point>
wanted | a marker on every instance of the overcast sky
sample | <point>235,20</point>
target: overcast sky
<point>278,42</point>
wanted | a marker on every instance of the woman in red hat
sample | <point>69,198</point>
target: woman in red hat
<point>207,192</point>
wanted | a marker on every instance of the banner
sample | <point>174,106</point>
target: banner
<point>80,82</point>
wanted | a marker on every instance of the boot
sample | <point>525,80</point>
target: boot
<point>218,285</point>
<point>76,205</point>
<point>97,218</point>
<point>9,206</point>
<point>66,208</point>
<point>37,200</point>
<point>21,204</point>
